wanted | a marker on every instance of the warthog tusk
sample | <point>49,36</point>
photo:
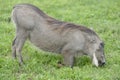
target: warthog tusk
<point>95,61</point>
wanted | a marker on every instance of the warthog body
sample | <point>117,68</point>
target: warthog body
<point>53,35</point>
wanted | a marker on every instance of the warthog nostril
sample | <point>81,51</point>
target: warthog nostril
<point>103,63</point>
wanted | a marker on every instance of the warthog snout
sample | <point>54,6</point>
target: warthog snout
<point>101,63</point>
<point>97,62</point>
<point>98,56</point>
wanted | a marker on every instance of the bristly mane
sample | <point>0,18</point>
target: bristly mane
<point>66,25</point>
<point>81,28</point>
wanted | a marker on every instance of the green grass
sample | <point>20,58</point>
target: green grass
<point>101,15</point>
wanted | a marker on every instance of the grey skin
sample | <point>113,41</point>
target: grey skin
<point>48,34</point>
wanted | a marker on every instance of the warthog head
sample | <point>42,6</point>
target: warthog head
<point>96,51</point>
<point>98,56</point>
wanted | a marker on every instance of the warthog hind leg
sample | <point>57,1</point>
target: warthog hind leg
<point>18,43</point>
<point>14,49</point>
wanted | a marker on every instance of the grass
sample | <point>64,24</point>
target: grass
<point>101,15</point>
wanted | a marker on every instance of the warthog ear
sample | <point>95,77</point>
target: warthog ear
<point>101,45</point>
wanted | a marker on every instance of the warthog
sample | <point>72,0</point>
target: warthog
<point>68,39</point>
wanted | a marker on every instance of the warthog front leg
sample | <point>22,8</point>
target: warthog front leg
<point>18,43</point>
<point>69,58</point>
